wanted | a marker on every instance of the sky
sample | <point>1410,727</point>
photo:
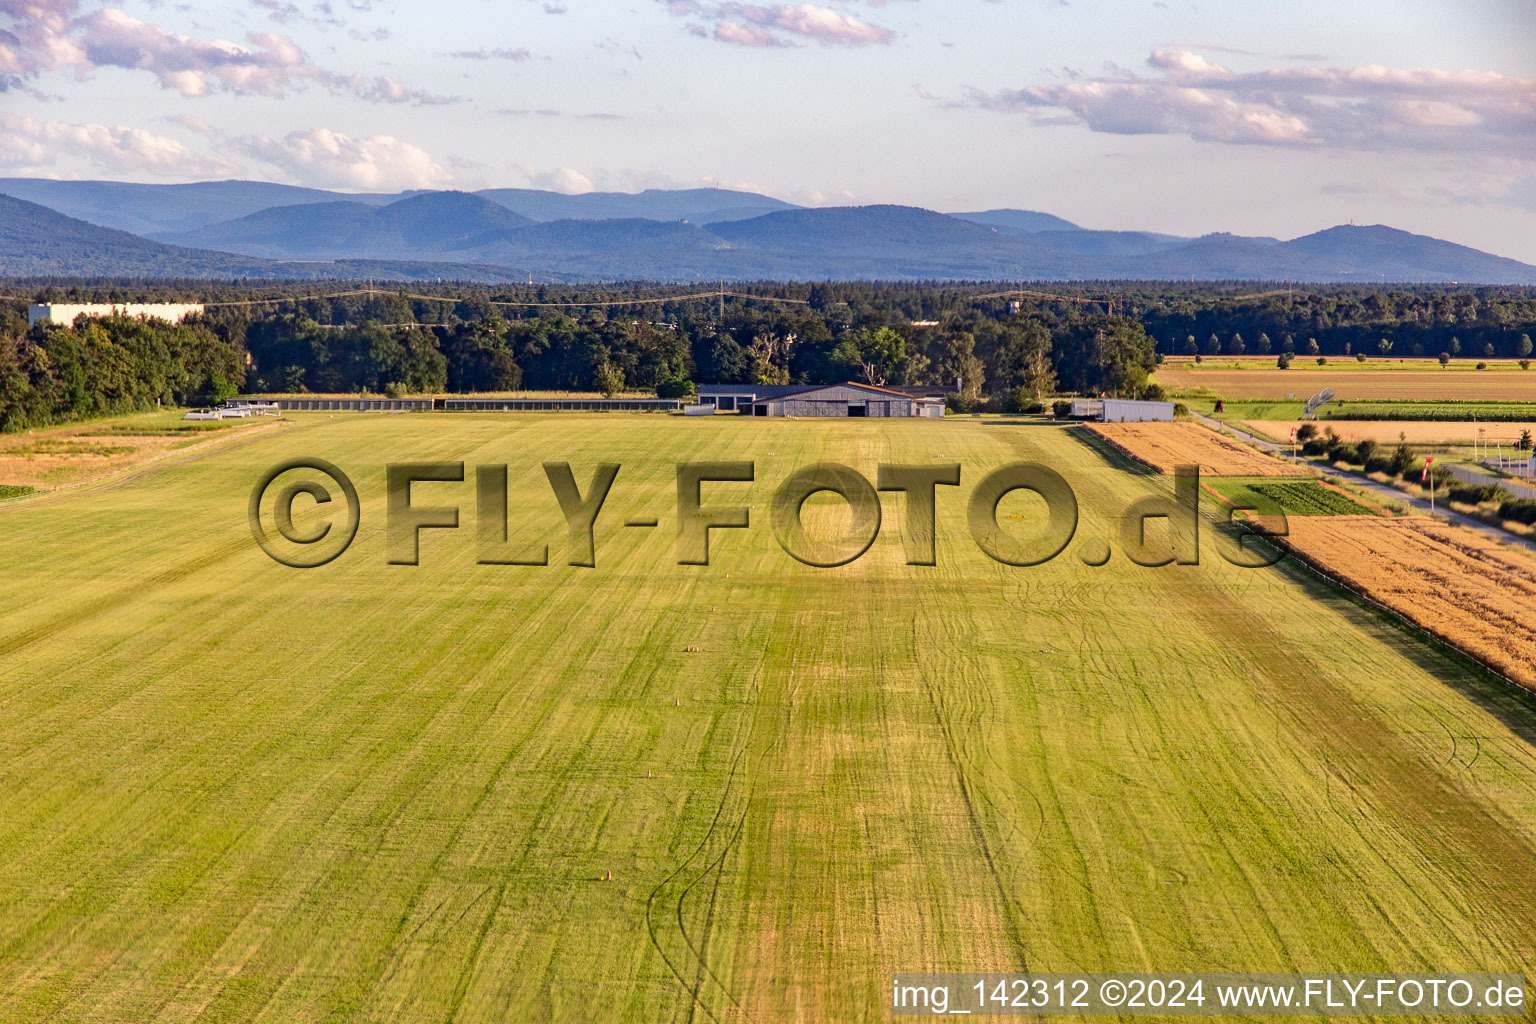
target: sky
<point>1256,117</point>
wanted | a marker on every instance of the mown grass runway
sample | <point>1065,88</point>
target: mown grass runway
<point>233,791</point>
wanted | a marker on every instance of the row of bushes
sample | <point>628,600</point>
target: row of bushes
<point>1476,494</point>
<point>1367,454</point>
<point>1015,400</point>
<point>1423,415</point>
<point>1521,510</point>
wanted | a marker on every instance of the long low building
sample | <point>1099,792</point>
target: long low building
<point>559,404</point>
<point>63,314</point>
<point>734,397</point>
<point>846,399</point>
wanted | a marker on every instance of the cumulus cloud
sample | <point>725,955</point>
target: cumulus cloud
<point>32,143</point>
<point>564,179</point>
<point>328,159</point>
<point>764,25</point>
<point>50,35</point>
<point>1364,107</point>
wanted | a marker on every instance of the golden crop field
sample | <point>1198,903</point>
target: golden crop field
<point>1459,585</point>
<point>1166,445</point>
<point>1504,385</point>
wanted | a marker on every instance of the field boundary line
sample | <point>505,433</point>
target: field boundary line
<point>1402,618</point>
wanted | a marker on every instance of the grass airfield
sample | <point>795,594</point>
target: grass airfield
<point>240,792</point>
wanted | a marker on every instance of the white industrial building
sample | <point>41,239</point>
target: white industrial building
<point>1123,410</point>
<point>63,313</point>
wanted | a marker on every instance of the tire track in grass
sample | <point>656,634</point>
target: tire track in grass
<point>426,656</point>
<point>1422,802</point>
<point>964,786</point>
<point>555,791</point>
<point>652,928</point>
<point>232,776</point>
<point>704,975</point>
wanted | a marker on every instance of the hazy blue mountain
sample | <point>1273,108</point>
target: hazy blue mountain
<point>1019,220</point>
<point>865,229</point>
<point>425,224</point>
<point>157,209</point>
<point>1381,253</point>
<point>464,235</point>
<point>1106,243</point>
<point>38,242</point>
<point>698,205</point>
<point>1216,257</point>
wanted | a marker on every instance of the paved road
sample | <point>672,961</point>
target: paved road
<point>1381,490</point>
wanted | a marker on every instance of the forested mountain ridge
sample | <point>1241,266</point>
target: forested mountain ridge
<point>685,235</point>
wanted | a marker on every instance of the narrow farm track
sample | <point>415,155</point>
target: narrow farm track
<point>240,792</point>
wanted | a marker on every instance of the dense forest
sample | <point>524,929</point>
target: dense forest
<point>1008,346</point>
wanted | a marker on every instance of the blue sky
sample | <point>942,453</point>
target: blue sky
<point>1257,117</point>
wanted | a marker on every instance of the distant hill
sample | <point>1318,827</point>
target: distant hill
<point>427,224</point>
<point>157,209</point>
<point>38,242</point>
<point>1028,221</point>
<point>686,235</point>
<point>892,241</point>
<point>698,205</point>
<point>1107,243</point>
<point>1380,253</point>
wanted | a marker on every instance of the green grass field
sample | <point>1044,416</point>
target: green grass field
<point>1267,495</point>
<point>239,792</point>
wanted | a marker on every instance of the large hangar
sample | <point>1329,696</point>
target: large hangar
<point>846,399</point>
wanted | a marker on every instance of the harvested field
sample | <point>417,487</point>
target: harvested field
<point>1499,385</point>
<point>1471,591</point>
<point>76,453</point>
<point>1166,445</point>
<point>1387,431</point>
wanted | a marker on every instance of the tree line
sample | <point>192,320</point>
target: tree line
<point>1005,347</point>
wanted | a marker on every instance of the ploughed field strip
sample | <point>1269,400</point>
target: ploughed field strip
<point>1165,446</point>
<point>240,792</point>
<point>1472,591</point>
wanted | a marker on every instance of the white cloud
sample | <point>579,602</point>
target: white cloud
<point>763,25</point>
<point>328,159</point>
<point>1365,107</point>
<point>564,179</point>
<point>50,35</point>
<point>31,143</point>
